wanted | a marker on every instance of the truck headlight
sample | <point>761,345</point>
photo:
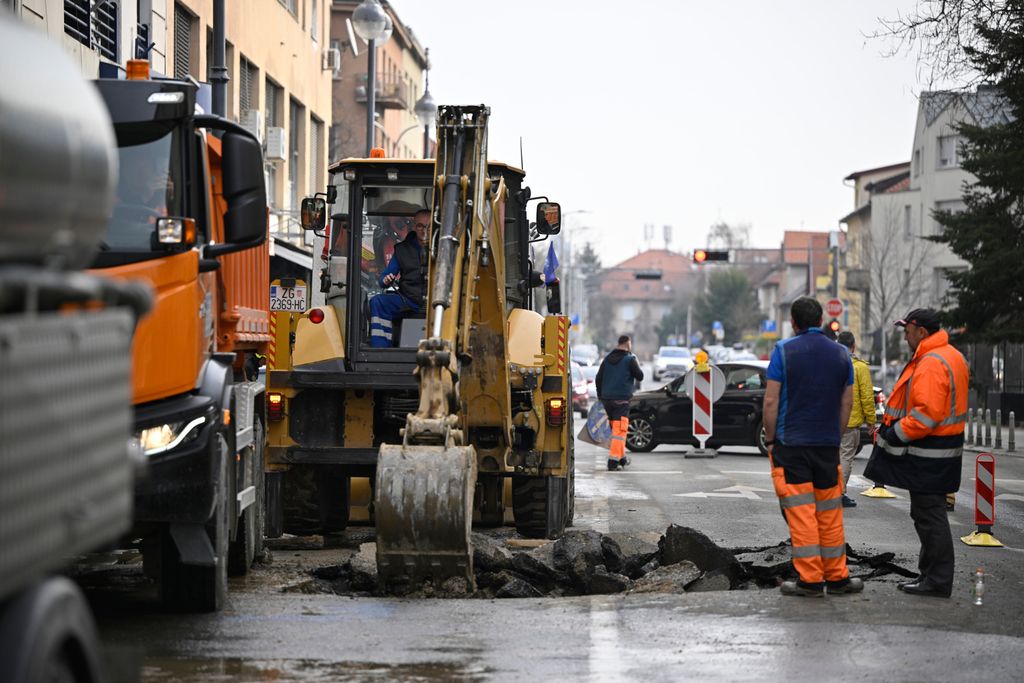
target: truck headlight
<point>165,437</point>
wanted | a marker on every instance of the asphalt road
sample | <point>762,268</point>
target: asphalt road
<point>754,635</point>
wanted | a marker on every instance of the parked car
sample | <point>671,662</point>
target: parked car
<point>671,361</point>
<point>665,415</point>
<point>590,374</point>
<point>580,398</point>
<point>585,354</point>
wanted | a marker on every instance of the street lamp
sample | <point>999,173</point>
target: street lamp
<point>426,110</point>
<point>370,22</point>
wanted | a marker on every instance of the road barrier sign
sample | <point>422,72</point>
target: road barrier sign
<point>704,384</point>
<point>984,502</point>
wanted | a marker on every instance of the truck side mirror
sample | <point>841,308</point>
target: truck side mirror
<point>549,218</point>
<point>314,214</point>
<point>245,190</point>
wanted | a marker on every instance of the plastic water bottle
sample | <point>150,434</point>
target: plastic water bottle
<point>978,591</point>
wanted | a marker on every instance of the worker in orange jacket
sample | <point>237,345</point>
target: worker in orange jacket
<point>920,444</point>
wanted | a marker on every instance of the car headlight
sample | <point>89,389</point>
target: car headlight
<point>165,437</point>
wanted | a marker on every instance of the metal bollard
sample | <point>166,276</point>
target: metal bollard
<point>988,427</point>
<point>977,426</point>
<point>970,427</point>
<point>999,429</point>
<point>1010,445</point>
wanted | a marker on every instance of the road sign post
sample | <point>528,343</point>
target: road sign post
<point>704,384</point>
<point>834,308</point>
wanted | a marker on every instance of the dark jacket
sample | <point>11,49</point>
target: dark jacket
<point>615,377</point>
<point>412,264</point>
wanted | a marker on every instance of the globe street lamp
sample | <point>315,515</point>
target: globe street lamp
<point>370,22</point>
<point>426,110</point>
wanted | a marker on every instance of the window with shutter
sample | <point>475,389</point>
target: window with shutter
<point>316,150</point>
<point>183,20</point>
<point>93,23</point>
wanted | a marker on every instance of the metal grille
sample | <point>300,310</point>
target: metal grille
<point>93,23</point>
<point>182,42</point>
<point>316,143</point>
<point>272,99</point>
<point>247,75</point>
<point>142,41</point>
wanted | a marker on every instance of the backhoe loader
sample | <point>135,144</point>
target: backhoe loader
<point>465,414</point>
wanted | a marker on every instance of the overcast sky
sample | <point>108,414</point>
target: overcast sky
<point>678,113</point>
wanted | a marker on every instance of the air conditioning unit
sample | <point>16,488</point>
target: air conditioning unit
<point>252,121</point>
<point>331,60</point>
<point>275,149</point>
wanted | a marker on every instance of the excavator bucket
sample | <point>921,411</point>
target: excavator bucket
<point>424,509</point>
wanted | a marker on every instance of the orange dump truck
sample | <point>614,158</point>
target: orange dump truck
<point>190,219</point>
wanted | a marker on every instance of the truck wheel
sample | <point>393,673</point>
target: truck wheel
<point>539,506</point>
<point>192,588</point>
<point>47,633</point>
<point>248,541</point>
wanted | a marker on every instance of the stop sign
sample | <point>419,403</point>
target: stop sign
<point>834,308</point>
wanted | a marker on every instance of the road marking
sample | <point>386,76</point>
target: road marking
<point>632,471</point>
<point>760,472</point>
<point>1009,496</point>
<point>605,658</point>
<point>745,492</point>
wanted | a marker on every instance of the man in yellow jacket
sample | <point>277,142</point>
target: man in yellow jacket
<point>862,412</point>
<point>920,444</point>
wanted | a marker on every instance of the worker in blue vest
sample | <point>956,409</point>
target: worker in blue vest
<point>615,381</point>
<point>407,270</point>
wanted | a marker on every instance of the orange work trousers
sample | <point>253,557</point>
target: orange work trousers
<point>620,428</point>
<point>814,514</point>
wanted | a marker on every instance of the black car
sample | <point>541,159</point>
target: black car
<point>665,415</point>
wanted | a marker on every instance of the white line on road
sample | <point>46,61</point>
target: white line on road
<point>759,472</point>
<point>745,492</point>
<point>605,659</point>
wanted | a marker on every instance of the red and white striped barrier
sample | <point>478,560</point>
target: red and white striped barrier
<point>702,418</point>
<point>984,502</point>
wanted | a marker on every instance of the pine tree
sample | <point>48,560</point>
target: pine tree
<point>988,298</point>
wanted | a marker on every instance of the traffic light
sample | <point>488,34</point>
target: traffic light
<point>702,255</point>
<point>834,326</point>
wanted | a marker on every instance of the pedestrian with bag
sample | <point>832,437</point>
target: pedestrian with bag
<point>920,444</point>
<point>862,412</point>
<point>806,407</point>
<point>615,383</point>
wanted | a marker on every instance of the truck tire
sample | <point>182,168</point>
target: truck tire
<point>193,588</point>
<point>315,500</point>
<point>539,505</point>
<point>248,541</point>
<point>47,633</point>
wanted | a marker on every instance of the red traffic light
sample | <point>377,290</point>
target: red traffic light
<point>702,255</point>
<point>834,325</point>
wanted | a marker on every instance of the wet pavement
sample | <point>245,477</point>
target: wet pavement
<point>279,625</point>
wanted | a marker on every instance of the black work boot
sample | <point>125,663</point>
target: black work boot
<point>613,464</point>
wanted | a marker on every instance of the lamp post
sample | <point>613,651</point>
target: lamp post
<point>426,110</point>
<point>370,22</point>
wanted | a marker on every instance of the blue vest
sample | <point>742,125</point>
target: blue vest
<point>814,372</point>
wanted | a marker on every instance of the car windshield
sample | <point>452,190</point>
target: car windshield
<point>149,187</point>
<point>669,352</point>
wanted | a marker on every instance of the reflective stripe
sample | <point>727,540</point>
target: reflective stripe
<point>830,504</point>
<point>902,435</point>
<point>375,332</point>
<point>935,452</point>
<point>833,550</point>
<point>955,419</point>
<point>383,322</point>
<point>796,499</point>
<point>891,449</point>
<point>894,412</point>
<point>806,551</point>
<point>923,419</point>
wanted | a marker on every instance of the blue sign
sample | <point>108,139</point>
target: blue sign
<point>769,326</point>
<point>716,325</point>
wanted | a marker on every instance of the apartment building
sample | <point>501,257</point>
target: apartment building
<point>401,64</point>
<point>891,265</point>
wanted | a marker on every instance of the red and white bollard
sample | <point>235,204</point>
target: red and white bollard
<point>984,502</point>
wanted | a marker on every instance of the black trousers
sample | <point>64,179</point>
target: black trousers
<point>928,510</point>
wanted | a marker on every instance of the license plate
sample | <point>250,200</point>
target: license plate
<point>291,299</point>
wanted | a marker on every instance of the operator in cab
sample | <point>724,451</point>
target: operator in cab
<point>407,270</point>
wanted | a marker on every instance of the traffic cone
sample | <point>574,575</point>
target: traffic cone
<point>877,491</point>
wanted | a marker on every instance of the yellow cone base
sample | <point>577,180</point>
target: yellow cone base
<point>981,539</point>
<point>878,492</point>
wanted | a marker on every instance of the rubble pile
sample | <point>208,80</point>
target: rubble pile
<point>584,562</point>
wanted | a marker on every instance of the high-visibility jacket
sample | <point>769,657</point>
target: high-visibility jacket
<point>863,410</point>
<point>927,412</point>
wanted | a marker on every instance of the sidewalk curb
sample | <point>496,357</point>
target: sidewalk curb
<point>1000,452</point>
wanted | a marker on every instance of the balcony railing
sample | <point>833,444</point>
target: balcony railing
<point>391,93</point>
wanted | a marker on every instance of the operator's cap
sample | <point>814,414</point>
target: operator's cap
<point>922,317</point>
